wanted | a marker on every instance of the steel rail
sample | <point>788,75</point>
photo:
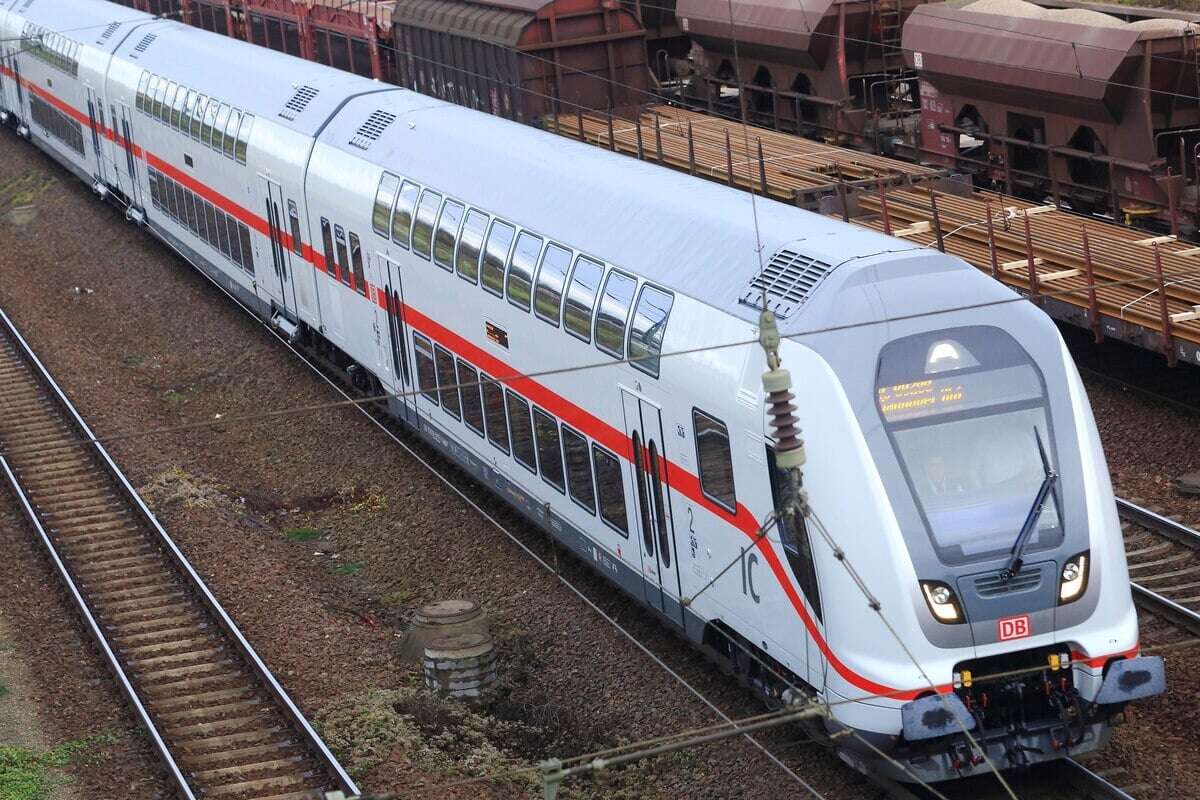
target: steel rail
<point>1095,786</point>
<point>275,690</point>
<point>1166,608</point>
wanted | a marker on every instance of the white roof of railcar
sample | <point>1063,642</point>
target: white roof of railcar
<point>91,24</point>
<point>685,233</point>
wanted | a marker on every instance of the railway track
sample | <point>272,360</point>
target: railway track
<point>224,727</point>
<point>1164,565</point>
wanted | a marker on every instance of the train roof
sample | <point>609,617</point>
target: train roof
<point>99,25</point>
<point>696,237</point>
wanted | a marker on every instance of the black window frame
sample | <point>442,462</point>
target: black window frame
<point>294,224</point>
<point>619,471</point>
<point>439,232</point>
<point>443,357</point>
<point>488,383</point>
<point>568,432</point>
<point>486,259</point>
<point>548,451</point>
<point>542,289</point>
<point>359,275</point>
<point>515,271</point>
<point>649,361</point>
<point>343,254</point>
<point>599,317</point>
<point>526,417</point>
<point>430,392</point>
<point>408,191</point>
<point>327,244</point>
<point>470,387</point>
<point>568,306</point>
<point>418,224</point>
<point>478,246</point>
<point>386,226</point>
<point>730,507</point>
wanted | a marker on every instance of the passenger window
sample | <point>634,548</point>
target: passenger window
<point>549,449</point>
<point>470,243</point>
<point>427,209</point>
<point>356,256</point>
<point>327,241</point>
<point>168,101</point>
<point>521,432</point>
<point>160,89</point>
<point>495,256</point>
<point>247,251</point>
<point>218,136</point>
<point>579,469</point>
<point>198,116</point>
<point>448,382</point>
<point>231,132</point>
<point>426,372</point>
<point>343,255</point>
<point>223,233</point>
<point>177,107</point>
<point>793,535</point>
<point>493,409</point>
<point>210,216</point>
<point>189,108</point>
<point>552,277</point>
<point>610,486</point>
<point>385,199</point>
<point>649,322</point>
<point>243,138</point>
<point>294,222</point>
<point>472,403</point>
<point>714,459</point>
<point>520,269</point>
<point>581,297</point>
<point>614,313</point>
<point>402,219</point>
<point>210,119</point>
<point>143,84</point>
<point>447,232</point>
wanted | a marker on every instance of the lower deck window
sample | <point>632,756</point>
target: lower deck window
<point>714,458</point>
<point>472,401</point>
<point>426,372</point>
<point>549,448</point>
<point>493,408</point>
<point>56,123</point>
<point>610,487</point>
<point>579,469</point>
<point>521,432</point>
<point>448,381</point>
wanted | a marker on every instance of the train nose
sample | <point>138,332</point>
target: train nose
<point>1001,610</point>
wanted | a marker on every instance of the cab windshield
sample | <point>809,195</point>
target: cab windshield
<point>964,410</point>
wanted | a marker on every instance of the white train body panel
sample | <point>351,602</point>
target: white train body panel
<point>293,195</point>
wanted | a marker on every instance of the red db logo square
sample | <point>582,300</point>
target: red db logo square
<point>1014,627</point>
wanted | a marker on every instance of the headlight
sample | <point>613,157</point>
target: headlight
<point>942,603</point>
<point>1074,578</point>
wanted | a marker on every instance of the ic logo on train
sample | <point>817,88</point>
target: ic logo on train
<point>1014,627</point>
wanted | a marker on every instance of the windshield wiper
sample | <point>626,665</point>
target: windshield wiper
<point>1014,560</point>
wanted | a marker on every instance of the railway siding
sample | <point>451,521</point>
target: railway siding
<point>1146,287</point>
<point>222,724</point>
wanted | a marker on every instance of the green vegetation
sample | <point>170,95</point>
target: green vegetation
<point>302,534</point>
<point>349,568</point>
<point>3,690</point>
<point>26,775</point>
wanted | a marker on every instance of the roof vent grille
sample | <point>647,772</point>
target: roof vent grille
<point>788,281</point>
<point>145,43</point>
<point>371,130</point>
<point>298,102</point>
<point>108,32</point>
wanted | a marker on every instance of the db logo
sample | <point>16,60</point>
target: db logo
<point>1014,627</point>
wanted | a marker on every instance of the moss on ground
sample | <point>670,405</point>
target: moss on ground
<point>302,534</point>
<point>26,775</point>
<point>24,189</point>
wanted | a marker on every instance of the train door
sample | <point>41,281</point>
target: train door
<point>125,132</point>
<point>282,289</point>
<point>105,168</point>
<point>652,498</point>
<point>390,282</point>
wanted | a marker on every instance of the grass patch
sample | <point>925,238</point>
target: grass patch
<point>3,689</point>
<point>175,396</point>
<point>302,534</point>
<point>26,775</point>
<point>349,568</point>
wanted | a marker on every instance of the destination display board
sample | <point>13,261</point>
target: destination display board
<point>937,396</point>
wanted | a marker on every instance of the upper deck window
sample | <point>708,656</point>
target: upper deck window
<point>427,209</point>
<point>613,314</point>
<point>552,277</point>
<point>649,323</point>
<point>385,199</point>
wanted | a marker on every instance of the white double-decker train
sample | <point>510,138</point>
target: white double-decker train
<point>465,265</point>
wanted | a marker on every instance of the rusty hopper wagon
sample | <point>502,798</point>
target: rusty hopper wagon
<point>824,67</point>
<point>1098,108</point>
<point>523,59</point>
